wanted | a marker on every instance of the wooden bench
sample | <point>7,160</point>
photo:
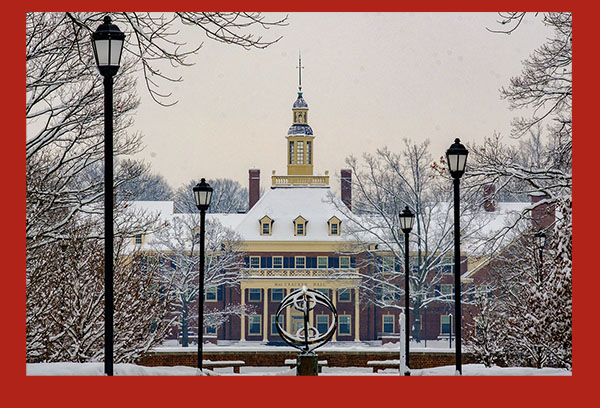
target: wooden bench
<point>219,364</point>
<point>291,362</point>
<point>379,365</point>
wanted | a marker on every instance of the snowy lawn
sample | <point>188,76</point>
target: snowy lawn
<point>97,369</point>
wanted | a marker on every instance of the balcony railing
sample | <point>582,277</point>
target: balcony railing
<point>300,273</point>
<point>284,181</point>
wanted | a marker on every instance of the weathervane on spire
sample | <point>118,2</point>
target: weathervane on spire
<point>300,68</point>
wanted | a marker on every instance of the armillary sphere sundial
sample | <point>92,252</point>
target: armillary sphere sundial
<point>307,338</point>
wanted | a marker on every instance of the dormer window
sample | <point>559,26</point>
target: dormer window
<point>266,225</point>
<point>300,226</point>
<point>139,239</point>
<point>334,224</point>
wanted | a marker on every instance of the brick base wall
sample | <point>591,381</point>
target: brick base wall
<point>276,358</point>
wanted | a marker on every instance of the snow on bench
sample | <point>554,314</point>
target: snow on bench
<point>236,364</point>
<point>291,362</point>
<point>378,365</point>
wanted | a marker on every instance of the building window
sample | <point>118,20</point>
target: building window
<point>276,295</point>
<point>274,324</point>
<point>322,323</point>
<point>255,262</point>
<point>344,262</point>
<point>210,330</point>
<point>278,262</point>
<point>266,224</point>
<point>344,327</point>
<point>322,262</point>
<point>389,292</point>
<point>300,153</point>
<point>344,295</point>
<point>254,295</point>
<point>210,294</point>
<point>388,264</point>
<point>447,266</point>
<point>139,239</point>
<point>300,262</point>
<point>388,323</point>
<point>254,325</point>
<point>333,229</point>
<point>446,324</point>
<point>291,153</point>
<point>334,224</point>
<point>309,152</point>
<point>323,291</point>
<point>300,226</point>
<point>446,291</point>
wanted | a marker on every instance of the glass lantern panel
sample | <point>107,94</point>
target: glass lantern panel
<point>102,49</point>
<point>115,52</point>
<point>462,161</point>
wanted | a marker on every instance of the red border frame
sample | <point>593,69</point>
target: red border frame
<point>342,391</point>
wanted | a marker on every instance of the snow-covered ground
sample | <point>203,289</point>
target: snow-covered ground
<point>97,369</point>
<point>430,346</point>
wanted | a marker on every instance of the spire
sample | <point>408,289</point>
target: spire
<point>300,68</point>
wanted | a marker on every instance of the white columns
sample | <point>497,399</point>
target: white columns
<point>265,315</point>
<point>356,316</point>
<point>243,315</point>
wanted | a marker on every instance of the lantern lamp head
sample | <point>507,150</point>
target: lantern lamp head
<point>107,42</point>
<point>540,239</point>
<point>456,156</point>
<point>202,195</point>
<point>407,219</point>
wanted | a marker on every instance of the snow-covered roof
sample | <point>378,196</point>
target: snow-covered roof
<point>300,129</point>
<point>283,205</point>
<point>318,205</point>
<point>300,103</point>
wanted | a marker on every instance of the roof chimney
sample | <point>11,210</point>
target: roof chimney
<point>347,188</point>
<point>253,187</point>
<point>542,215</point>
<point>489,204</point>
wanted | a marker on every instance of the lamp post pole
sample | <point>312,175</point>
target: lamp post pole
<point>201,291</point>
<point>456,156</point>
<point>457,294</point>
<point>406,304</point>
<point>407,218</point>
<point>202,196</point>
<point>108,226</point>
<point>107,42</point>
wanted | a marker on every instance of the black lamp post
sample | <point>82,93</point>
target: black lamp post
<point>456,156</point>
<point>540,239</point>
<point>407,219</point>
<point>107,42</point>
<point>202,195</point>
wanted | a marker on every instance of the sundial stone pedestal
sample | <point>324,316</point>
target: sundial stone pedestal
<point>307,364</point>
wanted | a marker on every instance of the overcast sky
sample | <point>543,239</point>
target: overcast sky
<point>370,80</point>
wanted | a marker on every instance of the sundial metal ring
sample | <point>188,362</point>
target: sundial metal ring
<point>307,338</point>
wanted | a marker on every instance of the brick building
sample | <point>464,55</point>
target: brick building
<point>294,235</point>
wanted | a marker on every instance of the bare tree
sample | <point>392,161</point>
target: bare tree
<point>178,246</point>
<point>525,318</point>
<point>228,197</point>
<point>147,187</point>
<point>541,164</point>
<point>384,184</point>
<point>65,301</point>
<point>64,144</point>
